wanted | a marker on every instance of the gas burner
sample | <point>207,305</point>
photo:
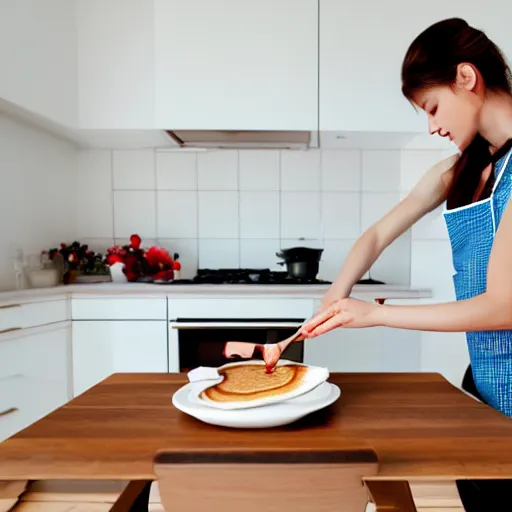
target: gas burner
<point>262,276</point>
<point>248,276</point>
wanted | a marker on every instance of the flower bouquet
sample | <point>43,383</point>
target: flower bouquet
<point>134,264</point>
<point>76,259</point>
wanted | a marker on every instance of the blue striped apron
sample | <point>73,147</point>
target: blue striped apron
<point>471,229</point>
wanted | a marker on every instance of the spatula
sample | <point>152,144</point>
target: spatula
<point>271,352</point>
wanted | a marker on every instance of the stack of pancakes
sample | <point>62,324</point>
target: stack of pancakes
<point>246,382</point>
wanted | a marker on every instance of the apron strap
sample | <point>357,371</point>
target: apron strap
<point>502,170</point>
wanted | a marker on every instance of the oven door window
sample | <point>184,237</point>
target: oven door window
<point>202,344</point>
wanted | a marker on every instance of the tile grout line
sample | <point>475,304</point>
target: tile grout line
<point>112,196</point>
<point>196,168</point>
<point>239,228</point>
<point>280,198</point>
<point>321,200</point>
<point>157,231</point>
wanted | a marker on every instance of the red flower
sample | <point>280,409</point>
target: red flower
<point>157,256</point>
<point>114,258</point>
<point>135,241</point>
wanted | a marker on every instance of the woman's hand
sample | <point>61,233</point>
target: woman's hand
<point>341,313</point>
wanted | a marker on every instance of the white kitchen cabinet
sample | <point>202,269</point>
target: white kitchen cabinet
<point>344,350</point>
<point>21,316</point>
<point>34,375</point>
<point>362,45</point>
<point>101,348</point>
<point>116,74</point>
<point>119,308</point>
<point>361,51</point>
<point>38,57</point>
<point>371,349</point>
<point>226,64</point>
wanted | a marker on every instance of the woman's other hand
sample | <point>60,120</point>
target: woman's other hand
<point>351,313</point>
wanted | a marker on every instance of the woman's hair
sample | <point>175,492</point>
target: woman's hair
<point>432,60</point>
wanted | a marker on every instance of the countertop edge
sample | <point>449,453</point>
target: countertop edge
<point>151,291</point>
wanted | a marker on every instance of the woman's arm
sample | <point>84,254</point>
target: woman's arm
<point>491,310</point>
<point>427,195</point>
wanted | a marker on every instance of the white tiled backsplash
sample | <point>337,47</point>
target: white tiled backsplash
<point>238,208</point>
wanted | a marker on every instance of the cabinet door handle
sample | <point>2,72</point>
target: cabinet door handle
<point>8,411</point>
<point>11,330</point>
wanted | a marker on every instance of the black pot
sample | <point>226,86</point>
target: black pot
<point>296,254</point>
<point>302,270</point>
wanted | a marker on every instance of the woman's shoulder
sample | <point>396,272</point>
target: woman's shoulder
<point>502,155</point>
<point>432,189</point>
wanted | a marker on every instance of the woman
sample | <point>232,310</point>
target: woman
<point>460,79</point>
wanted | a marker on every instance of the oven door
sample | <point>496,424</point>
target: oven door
<point>197,342</point>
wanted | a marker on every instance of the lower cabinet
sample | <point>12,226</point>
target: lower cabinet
<point>371,349</point>
<point>34,375</point>
<point>104,347</point>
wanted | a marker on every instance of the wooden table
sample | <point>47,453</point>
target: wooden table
<point>419,426</point>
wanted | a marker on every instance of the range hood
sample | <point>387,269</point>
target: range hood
<point>241,139</point>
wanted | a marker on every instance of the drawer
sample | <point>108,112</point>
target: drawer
<point>119,309</point>
<point>20,316</point>
<point>24,400</point>
<point>240,308</point>
<point>33,376</point>
<point>11,317</point>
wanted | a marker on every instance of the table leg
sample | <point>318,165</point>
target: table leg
<point>141,503</point>
<point>391,496</point>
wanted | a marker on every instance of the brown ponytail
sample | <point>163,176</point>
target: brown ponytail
<point>432,60</point>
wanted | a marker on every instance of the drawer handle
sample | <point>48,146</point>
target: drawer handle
<point>8,411</point>
<point>10,306</point>
<point>11,330</point>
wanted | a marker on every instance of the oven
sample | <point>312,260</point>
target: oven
<point>201,341</point>
<point>199,329</point>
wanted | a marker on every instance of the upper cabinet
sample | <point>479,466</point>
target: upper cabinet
<point>227,64</point>
<point>38,57</point>
<point>116,75</point>
<point>221,64</point>
<point>362,46</point>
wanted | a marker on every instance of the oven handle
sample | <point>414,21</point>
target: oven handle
<point>235,325</point>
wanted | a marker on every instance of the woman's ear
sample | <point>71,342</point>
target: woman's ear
<point>467,76</point>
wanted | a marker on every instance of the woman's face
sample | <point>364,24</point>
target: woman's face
<point>453,111</point>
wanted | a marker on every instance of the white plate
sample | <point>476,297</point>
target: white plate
<point>266,416</point>
<point>314,377</point>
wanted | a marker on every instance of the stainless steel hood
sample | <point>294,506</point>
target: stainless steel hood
<point>241,139</point>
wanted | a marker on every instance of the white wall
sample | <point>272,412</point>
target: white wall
<point>37,195</point>
<point>237,208</point>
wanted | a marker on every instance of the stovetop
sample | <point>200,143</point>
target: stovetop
<point>252,276</point>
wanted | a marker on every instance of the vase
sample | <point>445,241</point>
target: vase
<point>70,276</point>
<point>117,274</point>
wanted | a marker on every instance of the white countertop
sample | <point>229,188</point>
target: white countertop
<point>174,291</point>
